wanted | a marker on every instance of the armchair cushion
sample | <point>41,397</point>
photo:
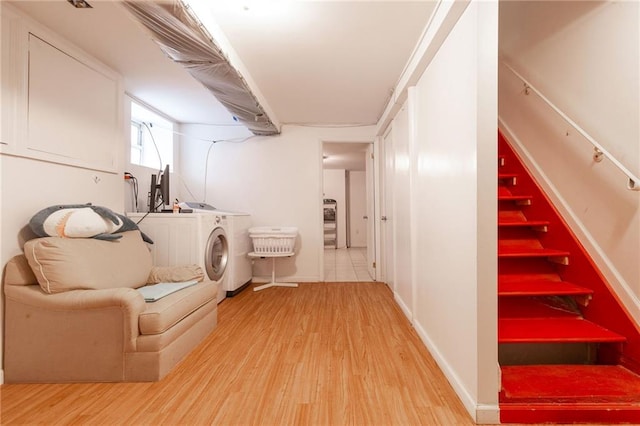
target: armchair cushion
<point>164,313</point>
<point>175,274</point>
<point>63,264</point>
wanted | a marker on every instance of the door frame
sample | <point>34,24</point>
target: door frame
<point>386,247</point>
<point>374,192</point>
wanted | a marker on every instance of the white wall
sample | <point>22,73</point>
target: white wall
<point>445,149</point>
<point>29,185</point>
<point>586,60</point>
<point>277,179</point>
<point>357,208</point>
<point>334,186</point>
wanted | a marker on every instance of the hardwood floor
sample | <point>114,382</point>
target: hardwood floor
<point>319,354</point>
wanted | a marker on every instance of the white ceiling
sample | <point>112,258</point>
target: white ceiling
<point>314,62</point>
<point>328,62</point>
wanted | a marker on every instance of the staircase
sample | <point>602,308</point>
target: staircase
<point>568,350</point>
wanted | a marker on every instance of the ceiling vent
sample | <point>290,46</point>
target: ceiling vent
<point>182,38</point>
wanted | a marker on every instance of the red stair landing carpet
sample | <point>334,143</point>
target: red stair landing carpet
<point>537,383</point>
<point>603,394</point>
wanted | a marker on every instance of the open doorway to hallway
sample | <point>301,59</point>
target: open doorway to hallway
<point>346,265</point>
<point>348,211</point>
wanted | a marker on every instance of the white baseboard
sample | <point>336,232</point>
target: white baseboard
<point>405,309</point>
<point>487,414</point>
<point>481,414</point>
<point>295,279</point>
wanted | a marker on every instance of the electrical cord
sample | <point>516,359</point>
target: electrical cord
<point>147,213</point>
<point>206,169</point>
<point>147,125</point>
<point>206,161</point>
<point>133,181</point>
<point>193,197</point>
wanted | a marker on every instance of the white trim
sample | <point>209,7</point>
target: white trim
<point>445,16</point>
<point>487,414</point>
<point>1,377</point>
<point>403,306</point>
<point>319,200</point>
<point>480,413</point>
<point>619,285</point>
<point>262,279</point>
<point>413,119</point>
<point>377,229</point>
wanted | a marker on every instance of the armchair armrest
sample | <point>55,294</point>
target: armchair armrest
<point>71,305</point>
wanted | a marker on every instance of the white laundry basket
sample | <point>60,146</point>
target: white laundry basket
<point>273,240</point>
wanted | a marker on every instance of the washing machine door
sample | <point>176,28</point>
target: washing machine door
<point>216,254</point>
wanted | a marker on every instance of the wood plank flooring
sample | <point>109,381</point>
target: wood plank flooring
<point>319,354</point>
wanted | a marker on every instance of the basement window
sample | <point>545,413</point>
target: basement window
<point>151,138</point>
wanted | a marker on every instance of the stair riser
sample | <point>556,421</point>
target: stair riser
<point>563,413</point>
<point>546,353</point>
<point>529,267</point>
<point>513,233</point>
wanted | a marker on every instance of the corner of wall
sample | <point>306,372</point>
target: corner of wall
<point>454,380</point>
<point>487,415</point>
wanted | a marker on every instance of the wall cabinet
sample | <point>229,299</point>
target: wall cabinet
<point>58,103</point>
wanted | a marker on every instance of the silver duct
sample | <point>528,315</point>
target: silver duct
<point>182,38</point>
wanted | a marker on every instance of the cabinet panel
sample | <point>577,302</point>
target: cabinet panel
<point>72,108</point>
<point>10,85</point>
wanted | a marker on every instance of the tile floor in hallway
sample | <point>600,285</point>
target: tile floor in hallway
<point>346,264</point>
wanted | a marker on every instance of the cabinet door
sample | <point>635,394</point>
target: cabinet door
<point>72,108</point>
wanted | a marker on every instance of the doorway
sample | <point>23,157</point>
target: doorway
<point>349,245</point>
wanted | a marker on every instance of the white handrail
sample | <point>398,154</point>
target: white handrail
<point>633,182</point>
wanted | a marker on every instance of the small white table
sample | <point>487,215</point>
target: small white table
<point>273,282</point>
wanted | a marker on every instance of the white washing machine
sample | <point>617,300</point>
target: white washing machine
<point>190,238</point>
<point>239,270</point>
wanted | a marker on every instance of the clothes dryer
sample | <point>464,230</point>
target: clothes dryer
<point>190,238</point>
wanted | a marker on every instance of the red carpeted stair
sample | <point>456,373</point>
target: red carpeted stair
<point>568,350</point>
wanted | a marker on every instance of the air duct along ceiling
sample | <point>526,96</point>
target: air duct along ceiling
<point>182,38</point>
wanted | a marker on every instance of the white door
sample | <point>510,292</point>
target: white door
<point>386,209</point>
<point>370,213</point>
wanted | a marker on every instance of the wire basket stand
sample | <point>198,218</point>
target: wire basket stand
<point>273,242</point>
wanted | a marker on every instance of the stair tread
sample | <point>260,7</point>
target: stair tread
<point>522,222</point>
<point>569,383</point>
<point>515,251</point>
<point>541,288</point>
<point>529,330</point>
<point>512,197</point>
